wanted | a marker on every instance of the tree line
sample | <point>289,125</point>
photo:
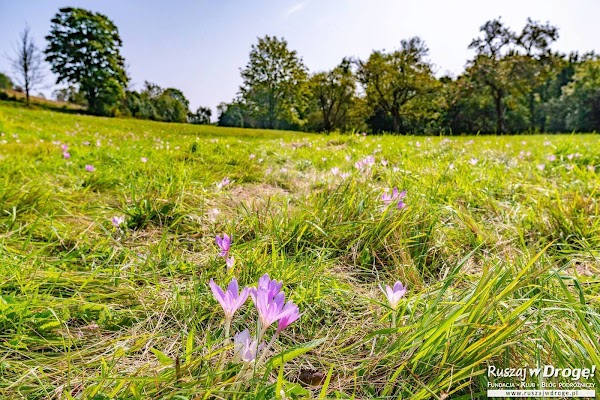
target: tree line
<point>515,82</point>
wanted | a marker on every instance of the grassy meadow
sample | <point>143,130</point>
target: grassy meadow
<point>499,246</point>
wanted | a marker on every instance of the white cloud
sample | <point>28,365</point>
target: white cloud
<point>295,8</point>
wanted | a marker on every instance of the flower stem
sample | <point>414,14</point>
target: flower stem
<point>225,343</point>
<point>266,349</point>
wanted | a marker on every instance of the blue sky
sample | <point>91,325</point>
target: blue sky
<point>199,46</point>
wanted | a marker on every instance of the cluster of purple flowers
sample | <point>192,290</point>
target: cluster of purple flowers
<point>269,300</point>
<point>395,196</point>
<point>365,162</point>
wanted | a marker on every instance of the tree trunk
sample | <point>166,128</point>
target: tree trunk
<point>498,98</point>
<point>397,121</point>
<point>532,112</point>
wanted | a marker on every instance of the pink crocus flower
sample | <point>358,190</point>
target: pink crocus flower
<point>335,171</point>
<point>231,299</point>
<point>473,161</point>
<point>117,221</point>
<point>365,162</point>
<point>287,320</point>
<point>388,198</point>
<point>224,244</point>
<point>66,155</point>
<point>394,294</point>
<point>551,157</point>
<point>64,147</point>
<point>245,348</point>
<point>271,286</point>
<point>541,167</point>
<point>90,168</point>
<point>271,309</point>
<point>226,181</point>
<point>144,159</point>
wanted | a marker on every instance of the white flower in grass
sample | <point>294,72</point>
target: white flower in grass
<point>245,348</point>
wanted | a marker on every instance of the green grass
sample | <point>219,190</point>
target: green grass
<point>501,258</point>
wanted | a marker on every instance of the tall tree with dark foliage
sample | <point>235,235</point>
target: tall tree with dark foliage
<point>84,49</point>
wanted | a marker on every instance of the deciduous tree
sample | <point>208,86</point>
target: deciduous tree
<point>201,116</point>
<point>394,80</point>
<point>273,88</point>
<point>84,49</point>
<point>27,64</point>
<point>332,94</point>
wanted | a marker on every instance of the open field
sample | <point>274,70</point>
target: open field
<point>499,246</point>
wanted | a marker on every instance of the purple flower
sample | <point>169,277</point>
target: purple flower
<point>473,161</point>
<point>244,348</point>
<point>265,283</point>
<point>224,244</point>
<point>117,221</point>
<point>271,309</point>
<point>551,157</point>
<point>66,155</point>
<point>226,181</point>
<point>365,162</point>
<point>144,159</point>
<point>230,261</point>
<point>541,167</point>
<point>90,168</point>
<point>230,300</point>
<point>395,196</point>
<point>394,294</point>
<point>286,321</point>
<point>64,147</point>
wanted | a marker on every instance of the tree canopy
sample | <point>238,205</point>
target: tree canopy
<point>5,82</point>
<point>84,49</point>
<point>273,88</point>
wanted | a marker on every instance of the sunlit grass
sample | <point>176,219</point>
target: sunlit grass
<point>500,257</point>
